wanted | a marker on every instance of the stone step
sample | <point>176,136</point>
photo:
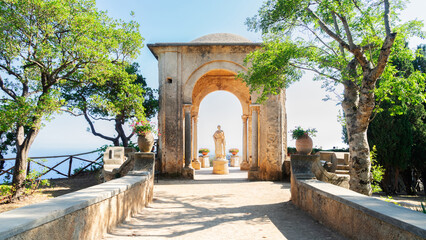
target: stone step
<point>342,172</point>
<point>342,167</point>
<point>341,161</point>
<point>113,161</point>
<point>111,167</point>
<point>342,175</point>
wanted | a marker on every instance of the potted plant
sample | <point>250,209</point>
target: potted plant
<point>204,151</point>
<point>234,151</point>
<point>303,139</point>
<point>144,129</point>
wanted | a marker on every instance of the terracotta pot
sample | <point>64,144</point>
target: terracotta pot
<point>234,153</point>
<point>304,145</point>
<point>204,153</point>
<point>146,142</point>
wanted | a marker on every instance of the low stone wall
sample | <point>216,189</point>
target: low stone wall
<point>355,215</point>
<point>85,214</point>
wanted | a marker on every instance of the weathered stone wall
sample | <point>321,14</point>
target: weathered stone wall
<point>171,112</point>
<point>85,214</point>
<point>271,137</point>
<point>355,215</point>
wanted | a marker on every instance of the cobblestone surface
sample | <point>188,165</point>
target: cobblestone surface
<point>221,207</point>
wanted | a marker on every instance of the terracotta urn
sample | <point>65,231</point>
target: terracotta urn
<point>204,153</point>
<point>234,153</point>
<point>146,142</point>
<point>304,145</point>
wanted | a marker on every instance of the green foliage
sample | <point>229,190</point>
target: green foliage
<point>377,171</point>
<point>122,98</point>
<point>393,137</point>
<point>401,139</point>
<point>92,168</point>
<point>423,208</point>
<point>282,59</point>
<point>236,150</point>
<point>45,45</point>
<point>32,182</point>
<point>299,132</point>
<point>143,127</point>
<point>389,199</point>
<point>203,150</point>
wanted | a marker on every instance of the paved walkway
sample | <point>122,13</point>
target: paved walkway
<point>221,207</point>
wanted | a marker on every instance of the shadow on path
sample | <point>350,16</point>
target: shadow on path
<point>222,209</point>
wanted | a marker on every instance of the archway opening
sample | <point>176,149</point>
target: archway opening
<point>224,109</point>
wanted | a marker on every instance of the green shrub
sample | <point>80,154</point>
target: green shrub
<point>377,172</point>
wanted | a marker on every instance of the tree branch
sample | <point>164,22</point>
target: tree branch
<point>336,26</point>
<point>9,92</point>
<point>316,35</point>
<point>328,31</point>
<point>92,128</point>
<point>383,57</point>
<point>315,71</point>
<point>71,112</point>
<point>348,32</point>
<point>10,72</point>
<point>386,18</point>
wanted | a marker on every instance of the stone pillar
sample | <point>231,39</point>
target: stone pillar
<point>194,138</point>
<point>245,117</point>
<point>253,173</point>
<point>188,171</point>
<point>245,165</point>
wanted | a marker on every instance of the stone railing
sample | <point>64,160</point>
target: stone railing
<point>352,214</point>
<point>85,214</point>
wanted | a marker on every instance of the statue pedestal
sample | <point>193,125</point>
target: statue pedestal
<point>220,166</point>
<point>235,161</point>
<point>196,164</point>
<point>205,161</point>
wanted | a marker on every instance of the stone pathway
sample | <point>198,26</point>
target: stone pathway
<point>221,207</point>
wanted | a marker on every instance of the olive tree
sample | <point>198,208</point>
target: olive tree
<point>45,44</point>
<point>341,41</point>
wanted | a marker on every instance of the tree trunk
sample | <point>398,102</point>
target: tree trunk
<point>121,133</point>
<point>23,144</point>
<point>357,125</point>
<point>360,164</point>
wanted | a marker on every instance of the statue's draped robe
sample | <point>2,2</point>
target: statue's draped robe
<point>219,142</point>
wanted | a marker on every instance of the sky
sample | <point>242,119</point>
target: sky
<point>183,21</point>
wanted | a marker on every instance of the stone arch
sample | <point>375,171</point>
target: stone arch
<point>212,66</point>
<point>219,80</point>
<point>190,71</point>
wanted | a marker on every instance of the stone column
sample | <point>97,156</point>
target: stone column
<point>188,142</point>
<point>188,171</point>
<point>255,134</point>
<point>245,150</point>
<point>194,137</point>
<point>253,173</point>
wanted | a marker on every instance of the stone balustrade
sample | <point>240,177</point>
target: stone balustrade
<point>85,214</point>
<point>352,214</point>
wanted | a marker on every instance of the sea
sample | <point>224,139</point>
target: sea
<point>51,162</point>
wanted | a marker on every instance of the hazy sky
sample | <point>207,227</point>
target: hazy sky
<point>183,21</point>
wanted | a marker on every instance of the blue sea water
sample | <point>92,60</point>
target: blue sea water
<point>50,162</point>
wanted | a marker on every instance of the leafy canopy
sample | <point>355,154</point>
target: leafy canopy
<point>323,37</point>
<point>45,44</point>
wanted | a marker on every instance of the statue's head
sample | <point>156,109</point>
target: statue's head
<point>218,127</point>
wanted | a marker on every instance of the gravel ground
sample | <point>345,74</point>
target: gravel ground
<point>221,207</point>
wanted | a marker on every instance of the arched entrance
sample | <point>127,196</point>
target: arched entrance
<point>190,71</point>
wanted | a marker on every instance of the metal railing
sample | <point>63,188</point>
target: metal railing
<point>68,158</point>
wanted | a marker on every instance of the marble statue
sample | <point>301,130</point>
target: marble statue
<point>219,143</point>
